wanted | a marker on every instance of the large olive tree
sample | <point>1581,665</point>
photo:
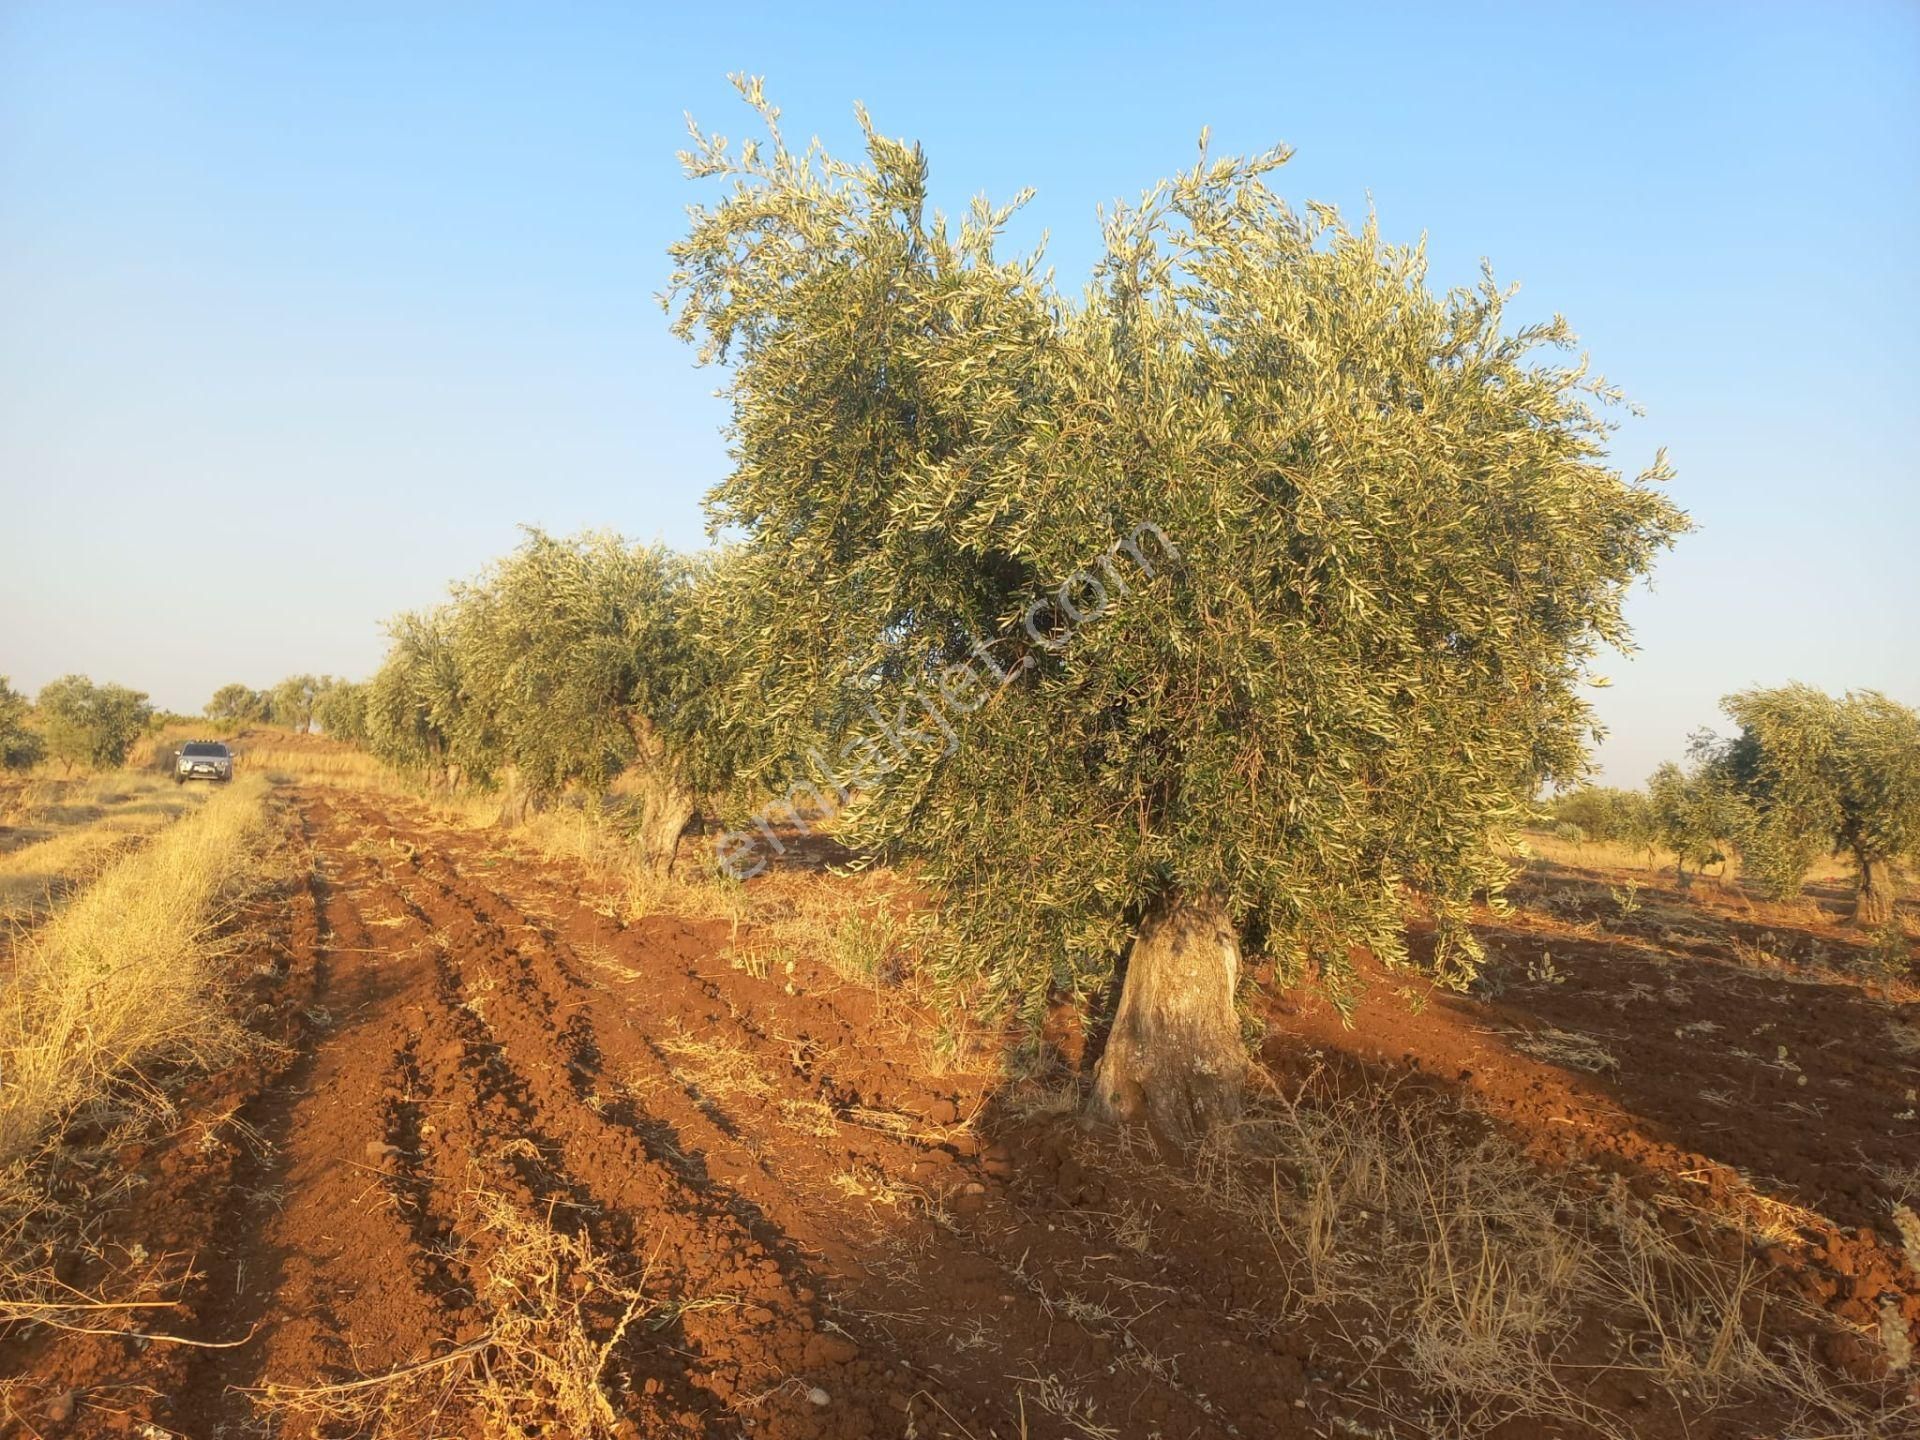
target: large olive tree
<point>1826,774</point>
<point>1244,596</point>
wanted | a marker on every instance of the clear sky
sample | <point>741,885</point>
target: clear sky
<point>304,307</point>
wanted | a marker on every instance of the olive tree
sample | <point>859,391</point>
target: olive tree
<point>565,664</point>
<point>237,705</point>
<point>340,710</point>
<point>91,725</point>
<point>583,653</point>
<point>1237,599</point>
<point>290,703</point>
<point>1695,815</point>
<point>1826,774</point>
<point>1604,812</point>
<point>20,743</point>
<point>417,714</point>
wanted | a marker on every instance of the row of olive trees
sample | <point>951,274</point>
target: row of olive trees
<point>1234,600</point>
<point>73,721</point>
<point>1806,775</point>
<point>299,702</point>
<point>566,665</point>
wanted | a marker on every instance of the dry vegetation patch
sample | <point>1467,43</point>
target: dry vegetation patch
<point>58,834</point>
<point>1478,1287</point>
<point>556,1312</point>
<point>122,980</point>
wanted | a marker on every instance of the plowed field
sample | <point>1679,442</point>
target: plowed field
<point>771,1210</point>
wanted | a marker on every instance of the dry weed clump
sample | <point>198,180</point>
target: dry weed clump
<point>593,839</point>
<point>1464,1274</point>
<point>556,1312</point>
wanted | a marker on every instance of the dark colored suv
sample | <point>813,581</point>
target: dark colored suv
<point>202,760</point>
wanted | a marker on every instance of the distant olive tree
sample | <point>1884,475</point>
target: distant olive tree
<point>90,725</point>
<point>290,703</point>
<point>1241,597</point>
<point>21,746</point>
<point>417,716</point>
<point>1821,774</point>
<point>1695,815</point>
<point>1603,812</point>
<point>583,655</point>
<point>564,665</point>
<point>340,710</point>
<point>238,705</point>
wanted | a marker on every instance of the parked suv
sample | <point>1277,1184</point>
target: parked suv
<point>202,760</point>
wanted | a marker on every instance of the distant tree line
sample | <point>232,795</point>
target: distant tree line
<point>1806,775</point>
<point>72,721</point>
<point>299,702</point>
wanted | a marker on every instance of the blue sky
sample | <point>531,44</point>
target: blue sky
<point>304,308</point>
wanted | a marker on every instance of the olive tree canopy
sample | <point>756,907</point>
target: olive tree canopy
<point>564,664</point>
<point>20,744</point>
<point>1826,774</point>
<point>238,704</point>
<point>1240,596</point>
<point>91,725</point>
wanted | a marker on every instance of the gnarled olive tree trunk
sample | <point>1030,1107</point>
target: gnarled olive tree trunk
<point>663,811</point>
<point>664,806</point>
<point>1873,900</point>
<point>518,801</point>
<point>1174,1060</point>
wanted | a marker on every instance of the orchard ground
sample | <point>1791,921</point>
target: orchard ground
<point>524,1144</point>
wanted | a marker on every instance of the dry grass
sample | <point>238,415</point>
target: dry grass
<point>1480,1289</point>
<point>1603,855</point>
<point>556,1310</point>
<point>69,830</point>
<point>630,890</point>
<point>320,761</point>
<point>121,976</point>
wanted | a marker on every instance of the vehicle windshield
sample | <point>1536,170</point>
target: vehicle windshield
<point>206,749</point>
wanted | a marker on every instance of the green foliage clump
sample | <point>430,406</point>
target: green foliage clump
<point>291,702</point>
<point>89,725</point>
<point>1258,571</point>
<point>1820,774</point>
<point>564,664</point>
<point>1694,814</point>
<point>21,746</point>
<point>1602,812</point>
<point>417,719</point>
<point>340,710</point>
<point>236,705</point>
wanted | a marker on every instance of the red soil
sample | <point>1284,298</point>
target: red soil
<point>455,1020</point>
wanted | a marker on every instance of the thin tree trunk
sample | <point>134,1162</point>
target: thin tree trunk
<point>1873,900</point>
<point>1174,1060</point>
